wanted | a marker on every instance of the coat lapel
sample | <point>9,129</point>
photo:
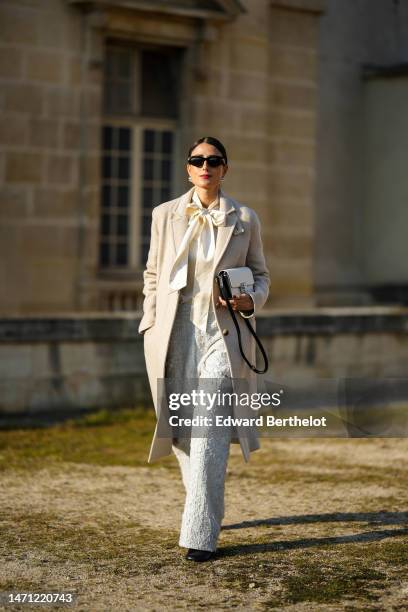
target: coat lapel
<point>179,223</point>
<point>224,232</point>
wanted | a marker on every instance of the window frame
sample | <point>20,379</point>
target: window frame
<point>137,123</point>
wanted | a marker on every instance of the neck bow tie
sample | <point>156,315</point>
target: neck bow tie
<point>201,223</point>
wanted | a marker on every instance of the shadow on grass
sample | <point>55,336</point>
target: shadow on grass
<point>374,518</point>
<point>246,549</point>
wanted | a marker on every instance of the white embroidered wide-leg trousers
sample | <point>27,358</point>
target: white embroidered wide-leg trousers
<point>202,456</point>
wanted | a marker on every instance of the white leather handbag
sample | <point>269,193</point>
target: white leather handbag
<point>239,280</point>
<point>232,282</point>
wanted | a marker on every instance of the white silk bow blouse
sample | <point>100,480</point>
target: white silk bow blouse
<point>201,229</point>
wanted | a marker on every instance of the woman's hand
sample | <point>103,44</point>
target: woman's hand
<point>240,302</point>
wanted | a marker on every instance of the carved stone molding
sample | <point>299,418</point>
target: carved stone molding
<point>311,6</point>
<point>222,10</point>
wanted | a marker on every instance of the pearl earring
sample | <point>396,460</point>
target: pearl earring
<point>190,179</point>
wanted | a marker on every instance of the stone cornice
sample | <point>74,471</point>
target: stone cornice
<point>310,6</point>
<point>215,9</point>
<point>115,326</point>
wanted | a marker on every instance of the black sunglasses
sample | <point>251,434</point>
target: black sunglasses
<point>213,160</point>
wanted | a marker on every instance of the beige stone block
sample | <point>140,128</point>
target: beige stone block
<point>291,28</point>
<point>248,149</point>
<point>212,55</point>
<point>293,96</point>
<point>44,133</point>
<point>13,268</point>
<point>93,102</point>
<point>296,245</point>
<point>292,153</point>
<point>72,27</point>
<point>24,167</point>
<point>253,23</point>
<point>17,26</point>
<point>93,137</point>
<point>249,53</point>
<point>92,169</point>
<point>62,169</point>
<point>74,70</point>
<point>93,75</point>
<point>89,295</point>
<point>13,129</point>
<point>292,124</point>
<point>10,62</point>
<point>82,358</point>
<point>91,245</point>
<point>248,86</point>
<point>11,241</point>
<point>210,82</point>
<point>287,182</point>
<point>20,97</point>
<point>71,135</point>
<point>293,63</point>
<point>51,284</point>
<point>15,362</point>
<point>292,215</point>
<point>52,202</point>
<point>41,361</point>
<point>93,204</point>
<point>214,115</point>
<point>35,3</point>
<point>244,178</point>
<point>284,348</point>
<point>50,240</point>
<point>14,201</point>
<point>63,101</point>
<point>252,119</point>
<point>45,66</point>
<point>51,29</point>
<point>249,193</point>
<point>70,199</point>
<point>284,287</point>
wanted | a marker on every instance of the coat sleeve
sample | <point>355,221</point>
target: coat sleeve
<point>255,260</point>
<point>150,280</point>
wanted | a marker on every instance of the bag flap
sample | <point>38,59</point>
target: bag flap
<point>240,275</point>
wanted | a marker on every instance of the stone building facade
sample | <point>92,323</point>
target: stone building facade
<point>100,102</point>
<point>361,195</point>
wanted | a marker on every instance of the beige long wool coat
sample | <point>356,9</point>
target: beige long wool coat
<point>238,244</point>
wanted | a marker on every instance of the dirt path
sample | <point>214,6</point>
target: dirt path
<point>309,524</point>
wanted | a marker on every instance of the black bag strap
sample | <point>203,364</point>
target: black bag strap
<point>226,295</point>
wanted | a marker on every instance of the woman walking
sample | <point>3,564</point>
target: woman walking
<point>189,336</point>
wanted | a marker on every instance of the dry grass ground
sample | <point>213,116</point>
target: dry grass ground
<point>318,524</point>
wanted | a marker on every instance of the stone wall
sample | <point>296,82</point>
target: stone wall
<point>260,97</point>
<point>74,362</point>
<point>250,81</point>
<point>49,134</point>
<point>352,35</point>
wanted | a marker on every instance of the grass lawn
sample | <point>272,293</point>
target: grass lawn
<point>316,524</point>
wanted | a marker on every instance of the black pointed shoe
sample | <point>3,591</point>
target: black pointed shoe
<point>199,555</point>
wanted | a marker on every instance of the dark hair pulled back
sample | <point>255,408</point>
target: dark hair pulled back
<point>212,141</point>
